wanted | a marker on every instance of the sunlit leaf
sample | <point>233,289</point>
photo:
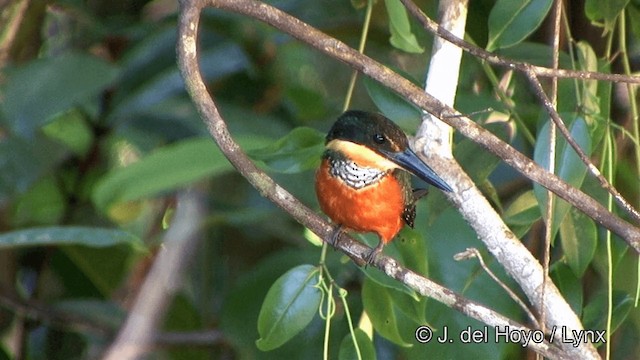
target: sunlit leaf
<point>166,169</point>
<point>523,210</point>
<point>588,61</point>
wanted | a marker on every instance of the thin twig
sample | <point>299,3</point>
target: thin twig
<point>470,253</point>
<point>548,231</point>
<point>555,117</point>
<point>541,71</point>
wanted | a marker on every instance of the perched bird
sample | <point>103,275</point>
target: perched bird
<point>364,182</point>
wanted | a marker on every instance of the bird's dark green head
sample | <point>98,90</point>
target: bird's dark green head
<point>368,129</point>
<point>372,140</point>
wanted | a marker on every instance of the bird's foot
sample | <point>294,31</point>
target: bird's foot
<point>370,258</point>
<point>335,236</point>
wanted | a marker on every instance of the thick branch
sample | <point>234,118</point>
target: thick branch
<point>187,54</point>
<point>464,125</point>
<point>532,73</point>
<point>434,140</point>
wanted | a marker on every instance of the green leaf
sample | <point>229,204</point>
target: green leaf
<point>568,284</point>
<point>569,167</point>
<point>36,92</point>
<point>22,164</point>
<point>605,11</point>
<point>411,245</point>
<point>401,36</point>
<point>588,61</point>
<point>298,151</point>
<point>511,21</point>
<point>165,83</point>
<point>634,19</point>
<point>43,204</point>
<point>166,169</point>
<point>72,130</point>
<point>392,105</point>
<point>365,345</point>
<point>69,235</point>
<point>594,315</point>
<point>104,267</point>
<point>289,306</point>
<point>579,238</point>
<point>524,210</point>
<point>379,305</point>
<point>408,243</point>
<point>480,167</point>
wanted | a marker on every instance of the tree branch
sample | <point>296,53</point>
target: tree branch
<point>187,55</point>
<point>532,73</point>
<point>433,27</point>
<point>338,50</point>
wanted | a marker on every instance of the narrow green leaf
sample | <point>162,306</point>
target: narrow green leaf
<point>569,167</point>
<point>298,151</point>
<point>588,61</point>
<point>365,345</point>
<point>69,235</point>
<point>379,305</point>
<point>290,305</point>
<point>511,21</point>
<point>594,315</point>
<point>568,284</point>
<point>579,238</point>
<point>523,210</point>
<point>36,92</point>
<point>401,36</point>
<point>166,169</point>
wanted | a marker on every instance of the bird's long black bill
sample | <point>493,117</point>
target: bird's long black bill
<point>412,163</point>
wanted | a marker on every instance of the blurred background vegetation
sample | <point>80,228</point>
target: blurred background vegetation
<point>97,134</point>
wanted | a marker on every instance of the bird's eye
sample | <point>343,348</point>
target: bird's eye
<point>378,138</point>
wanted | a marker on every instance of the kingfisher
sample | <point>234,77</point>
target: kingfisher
<point>364,180</point>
